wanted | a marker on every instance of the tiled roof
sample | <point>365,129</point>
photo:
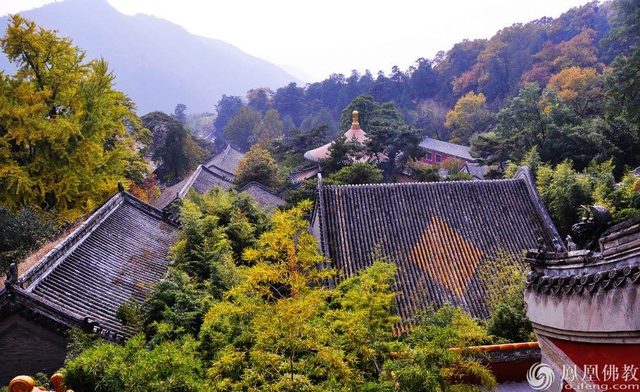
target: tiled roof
<point>170,193</point>
<point>299,176</point>
<point>227,161</point>
<point>475,170</point>
<point>265,197</point>
<point>455,150</point>
<point>219,171</point>
<point>203,179</point>
<point>118,253</point>
<point>439,234</point>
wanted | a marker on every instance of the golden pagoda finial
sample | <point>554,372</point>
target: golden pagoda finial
<point>355,124</point>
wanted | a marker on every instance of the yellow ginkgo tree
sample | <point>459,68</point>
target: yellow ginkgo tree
<point>66,135</point>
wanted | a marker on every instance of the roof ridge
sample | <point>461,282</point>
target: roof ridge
<point>187,185</point>
<point>147,208</point>
<point>224,152</point>
<point>253,182</point>
<point>524,174</point>
<point>51,259</point>
<point>208,170</point>
<point>304,169</point>
<point>423,183</point>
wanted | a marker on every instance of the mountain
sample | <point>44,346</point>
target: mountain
<point>157,63</point>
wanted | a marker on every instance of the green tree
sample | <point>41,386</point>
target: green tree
<point>226,109</point>
<point>424,173</point>
<point>216,228</point>
<point>623,80</point>
<point>369,110</point>
<point>626,197</point>
<point>389,137</point>
<point>342,153</point>
<point>531,160</point>
<point>21,232</point>
<point>356,173</point>
<point>240,128</point>
<point>433,358</point>
<point>180,113</point>
<point>504,281</point>
<point>259,99</point>
<point>168,366</point>
<point>468,117</point>
<point>563,191</point>
<point>66,136</point>
<point>282,329</point>
<point>491,149</point>
<point>268,130</point>
<point>258,165</point>
<point>179,155</point>
<point>397,143</point>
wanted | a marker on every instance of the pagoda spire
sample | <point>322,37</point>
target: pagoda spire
<point>355,124</point>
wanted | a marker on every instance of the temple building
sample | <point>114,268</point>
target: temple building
<point>584,307</point>
<point>438,151</point>
<point>117,254</point>
<point>355,133</point>
<point>262,196</point>
<point>220,172</point>
<point>445,237</point>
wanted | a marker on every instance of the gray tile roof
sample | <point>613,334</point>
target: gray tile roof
<point>455,150</point>
<point>118,253</point>
<point>439,234</point>
<point>219,171</point>
<point>202,180</point>
<point>475,170</point>
<point>299,176</point>
<point>266,198</point>
<point>227,161</point>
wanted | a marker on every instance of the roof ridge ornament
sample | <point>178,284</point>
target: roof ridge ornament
<point>12,276</point>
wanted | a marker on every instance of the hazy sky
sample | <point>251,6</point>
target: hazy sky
<point>322,37</point>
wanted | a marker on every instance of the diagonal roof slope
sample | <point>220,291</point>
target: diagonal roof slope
<point>441,235</point>
<point>202,180</point>
<point>118,253</point>
<point>266,198</point>
<point>452,149</point>
<point>227,161</point>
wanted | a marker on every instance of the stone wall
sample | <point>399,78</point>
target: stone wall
<point>27,348</point>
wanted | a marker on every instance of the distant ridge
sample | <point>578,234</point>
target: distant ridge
<point>156,62</point>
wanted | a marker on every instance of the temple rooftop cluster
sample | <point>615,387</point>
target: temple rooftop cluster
<point>448,239</point>
<point>220,172</point>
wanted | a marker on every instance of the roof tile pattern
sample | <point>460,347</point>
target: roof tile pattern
<point>118,257</point>
<point>207,179</point>
<point>452,149</point>
<point>228,160</point>
<point>303,174</point>
<point>440,235</point>
<point>440,243</point>
<point>202,180</point>
<point>265,197</point>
